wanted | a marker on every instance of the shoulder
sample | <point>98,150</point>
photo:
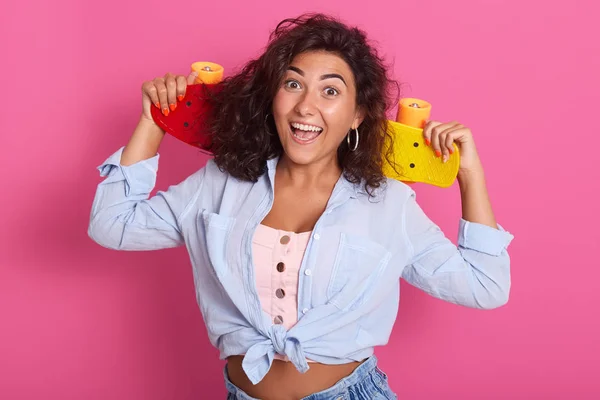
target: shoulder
<point>214,175</point>
<point>397,190</point>
<point>387,204</point>
<point>203,182</point>
<point>221,190</point>
<point>390,192</point>
<point>220,178</point>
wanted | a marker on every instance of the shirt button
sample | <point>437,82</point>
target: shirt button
<point>278,320</point>
<point>284,239</point>
<point>280,267</point>
<point>280,293</point>
<point>317,236</point>
<point>304,310</point>
<point>308,272</point>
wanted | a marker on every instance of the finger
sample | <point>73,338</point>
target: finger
<point>171,84</point>
<point>452,135</point>
<point>436,131</point>
<point>191,79</point>
<point>150,90</point>
<point>446,139</point>
<point>427,131</point>
<point>444,149</point>
<point>181,86</point>
<point>438,136</point>
<point>445,129</point>
<point>161,89</point>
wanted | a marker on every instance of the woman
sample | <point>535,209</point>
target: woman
<point>296,238</point>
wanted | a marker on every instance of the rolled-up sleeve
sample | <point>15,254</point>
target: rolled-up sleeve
<point>124,217</point>
<point>474,273</point>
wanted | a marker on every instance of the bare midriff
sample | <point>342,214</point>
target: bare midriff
<point>285,382</point>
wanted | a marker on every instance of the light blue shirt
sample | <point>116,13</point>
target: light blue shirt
<point>348,291</point>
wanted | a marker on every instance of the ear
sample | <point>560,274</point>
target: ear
<point>358,118</point>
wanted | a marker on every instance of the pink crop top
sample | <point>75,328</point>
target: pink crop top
<point>277,257</point>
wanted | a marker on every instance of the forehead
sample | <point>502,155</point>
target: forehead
<point>316,63</point>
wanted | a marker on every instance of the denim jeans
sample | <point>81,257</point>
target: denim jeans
<point>366,382</point>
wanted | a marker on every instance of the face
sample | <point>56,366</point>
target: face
<point>315,107</point>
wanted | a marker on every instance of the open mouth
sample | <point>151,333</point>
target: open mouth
<point>304,133</point>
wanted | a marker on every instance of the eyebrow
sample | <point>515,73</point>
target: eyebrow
<point>323,77</point>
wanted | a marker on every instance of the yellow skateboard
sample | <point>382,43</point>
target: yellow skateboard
<point>412,160</point>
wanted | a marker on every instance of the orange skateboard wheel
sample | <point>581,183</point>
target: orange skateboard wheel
<point>413,112</point>
<point>208,72</point>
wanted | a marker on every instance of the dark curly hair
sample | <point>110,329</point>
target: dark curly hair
<point>242,136</point>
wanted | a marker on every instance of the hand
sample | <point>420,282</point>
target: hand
<point>441,136</point>
<point>164,93</point>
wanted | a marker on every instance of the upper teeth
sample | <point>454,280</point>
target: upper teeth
<point>306,127</point>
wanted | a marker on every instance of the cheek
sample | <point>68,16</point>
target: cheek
<point>281,103</point>
<point>338,116</point>
<point>280,110</point>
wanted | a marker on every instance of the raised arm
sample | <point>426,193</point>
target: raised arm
<point>475,272</point>
<point>123,215</point>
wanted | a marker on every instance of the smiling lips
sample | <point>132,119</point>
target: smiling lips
<point>305,134</point>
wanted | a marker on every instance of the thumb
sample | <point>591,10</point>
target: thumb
<point>191,79</point>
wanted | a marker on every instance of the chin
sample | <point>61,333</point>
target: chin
<point>300,157</point>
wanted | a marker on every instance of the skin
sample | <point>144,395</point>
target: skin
<point>318,90</point>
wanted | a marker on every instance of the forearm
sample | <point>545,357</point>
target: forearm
<point>476,205</point>
<point>144,142</point>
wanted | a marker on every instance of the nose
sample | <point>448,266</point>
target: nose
<point>306,105</point>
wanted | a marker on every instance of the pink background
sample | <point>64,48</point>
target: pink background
<point>81,322</point>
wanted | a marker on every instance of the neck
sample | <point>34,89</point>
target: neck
<point>318,174</point>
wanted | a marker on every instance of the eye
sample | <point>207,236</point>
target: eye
<point>292,84</point>
<point>331,91</point>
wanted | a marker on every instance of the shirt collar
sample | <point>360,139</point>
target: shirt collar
<point>353,190</point>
